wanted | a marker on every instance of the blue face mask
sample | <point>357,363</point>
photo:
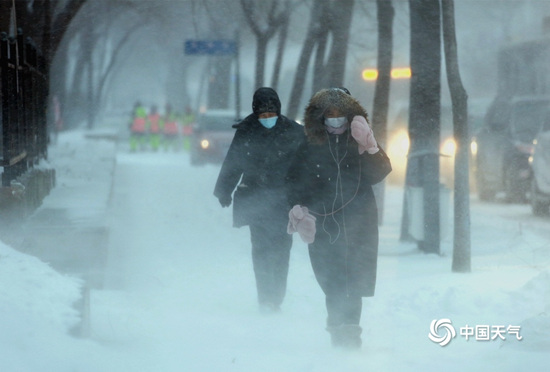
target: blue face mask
<point>269,122</point>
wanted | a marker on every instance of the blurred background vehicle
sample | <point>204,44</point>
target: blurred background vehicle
<point>504,145</point>
<point>540,165</point>
<point>505,142</point>
<point>212,136</point>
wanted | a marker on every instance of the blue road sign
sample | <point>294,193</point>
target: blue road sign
<point>210,47</point>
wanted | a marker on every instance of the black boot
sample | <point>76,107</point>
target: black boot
<point>347,336</point>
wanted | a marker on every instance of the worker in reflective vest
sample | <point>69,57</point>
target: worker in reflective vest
<point>171,130</point>
<point>154,121</point>
<point>187,130</point>
<point>138,127</point>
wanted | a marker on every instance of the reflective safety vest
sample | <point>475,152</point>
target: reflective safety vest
<point>138,125</point>
<point>171,127</point>
<point>188,120</point>
<point>154,120</point>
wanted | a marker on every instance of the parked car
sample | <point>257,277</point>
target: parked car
<point>212,136</point>
<point>540,165</point>
<point>504,145</point>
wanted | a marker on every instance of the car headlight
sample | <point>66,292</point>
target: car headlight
<point>448,147</point>
<point>399,144</point>
<point>205,144</point>
<point>473,147</point>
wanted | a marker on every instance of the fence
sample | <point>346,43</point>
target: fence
<point>23,122</point>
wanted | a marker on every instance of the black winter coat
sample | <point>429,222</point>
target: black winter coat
<point>331,178</point>
<point>259,158</point>
<point>344,253</point>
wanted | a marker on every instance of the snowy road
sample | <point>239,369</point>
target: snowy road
<point>180,293</point>
<point>185,279</point>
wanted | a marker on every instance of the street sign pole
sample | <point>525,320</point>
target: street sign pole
<point>219,48</point>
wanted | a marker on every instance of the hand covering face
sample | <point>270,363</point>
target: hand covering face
<point>363,134</point>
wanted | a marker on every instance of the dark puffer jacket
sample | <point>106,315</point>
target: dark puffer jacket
<point>330,178</point>
<point>261,157</point>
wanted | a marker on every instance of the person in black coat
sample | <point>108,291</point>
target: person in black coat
<point>257,161</point>
<point>331,179</point>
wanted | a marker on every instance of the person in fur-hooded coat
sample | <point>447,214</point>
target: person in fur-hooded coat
<point>332,176</point>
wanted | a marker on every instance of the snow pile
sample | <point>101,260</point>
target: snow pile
<point>36,303</point>
<point>536,328</point>
<point>537,291</point>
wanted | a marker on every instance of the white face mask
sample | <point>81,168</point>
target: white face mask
<point>336,122</point>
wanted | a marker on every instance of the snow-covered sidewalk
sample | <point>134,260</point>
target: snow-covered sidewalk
<point>179,292</point>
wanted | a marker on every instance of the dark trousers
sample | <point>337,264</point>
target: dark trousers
<point>343,309</point>
<point>329,265</point>
<point>270,256</point>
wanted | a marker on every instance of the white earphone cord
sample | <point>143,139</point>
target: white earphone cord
<point>339,187</point>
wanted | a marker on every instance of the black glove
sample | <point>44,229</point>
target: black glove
<point>225,201</point>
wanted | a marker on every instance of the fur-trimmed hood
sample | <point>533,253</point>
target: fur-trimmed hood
<point>314,120</point>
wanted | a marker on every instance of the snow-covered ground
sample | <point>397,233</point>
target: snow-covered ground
<point>179,290</point>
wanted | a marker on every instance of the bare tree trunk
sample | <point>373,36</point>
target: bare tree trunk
<point>459,97</point>
<point>384,64</point>
<point>261,47</point>
<point>327,17</point>
<point>61,24</point>
<point>319,77</point>
<point>283,34</point>
<point>106,73</point>
<point>218,84</point>
<point>385,14</point>
<point>342,11</point>
<point>87,50</point>
<point>305,56</point>
<point>52,38</point>
<point>74,96</point>
<point>76,80</point>
<point>424,114</point>
<point>263,35</point>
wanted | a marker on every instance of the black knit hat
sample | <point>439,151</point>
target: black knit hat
<point>266,100</point>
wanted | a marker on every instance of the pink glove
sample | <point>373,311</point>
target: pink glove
<point>362,132</point>
<point>299,220</point>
